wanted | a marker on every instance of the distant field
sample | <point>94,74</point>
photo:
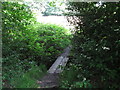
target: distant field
<point>59,20</point>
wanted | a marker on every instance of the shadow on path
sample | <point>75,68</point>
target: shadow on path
<point>51,80</point>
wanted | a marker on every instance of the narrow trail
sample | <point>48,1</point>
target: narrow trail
<point>51,79</point>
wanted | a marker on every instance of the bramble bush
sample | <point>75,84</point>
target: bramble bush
<point>27,43</point>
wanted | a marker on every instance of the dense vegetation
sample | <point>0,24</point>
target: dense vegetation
<point>29,47</point>
<point>95,56</point>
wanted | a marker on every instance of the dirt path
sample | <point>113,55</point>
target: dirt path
<point>51,80</point>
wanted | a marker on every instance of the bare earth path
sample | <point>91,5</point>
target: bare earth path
<point>51,79</point>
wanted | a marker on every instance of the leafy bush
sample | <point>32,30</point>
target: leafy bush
<point>26,42</point>
<point>71,78</point>
<point>96,41</point>
<point>50,41</point>
<point>15,18</point>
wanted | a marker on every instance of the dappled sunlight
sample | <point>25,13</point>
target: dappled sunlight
<point>29,47</point>
<point>58,20</point>
<point>60,45</point>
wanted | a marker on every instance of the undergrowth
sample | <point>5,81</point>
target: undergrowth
<point>29,79</point>
<point>26,43</point>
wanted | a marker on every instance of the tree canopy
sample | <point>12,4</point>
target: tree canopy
<point>96,43</point>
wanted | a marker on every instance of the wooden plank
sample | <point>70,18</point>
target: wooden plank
<point>55,65</point>
<point>62,65</point>
<point>61,61</point>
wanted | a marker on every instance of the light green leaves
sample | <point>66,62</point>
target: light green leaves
<point>52,4</point>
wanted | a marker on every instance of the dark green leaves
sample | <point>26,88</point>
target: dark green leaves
<point>96,40</point>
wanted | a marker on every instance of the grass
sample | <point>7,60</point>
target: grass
<point>29,79</point>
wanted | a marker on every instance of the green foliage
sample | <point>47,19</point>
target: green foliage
<point>27,43</point>
<point>15,18</point>
<point>29,79</point>
<point>70,78</point>
<point>96,42</point>
<point>48,42</point>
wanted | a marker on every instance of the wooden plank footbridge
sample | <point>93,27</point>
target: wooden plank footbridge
<point>51,79</point>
